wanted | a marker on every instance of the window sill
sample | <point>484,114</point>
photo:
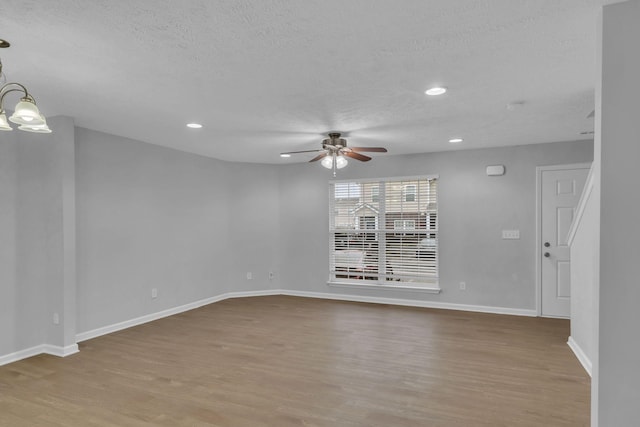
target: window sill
<point>431,288</point>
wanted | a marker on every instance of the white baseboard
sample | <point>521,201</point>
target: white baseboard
<point>83,336</point>
<point>53,350</point>
<point>262,293</point>
<point>413,303</point>
<point>19,355</point>
<point>580,354</point>
<point>343,297</point>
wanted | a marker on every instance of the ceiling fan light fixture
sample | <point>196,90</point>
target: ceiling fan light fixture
<point>341,162</point>
<point>327,162</point>
<point>334,153</point>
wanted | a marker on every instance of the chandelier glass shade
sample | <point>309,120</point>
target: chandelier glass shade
<point>25,114</point>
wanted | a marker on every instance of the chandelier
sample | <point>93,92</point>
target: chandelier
<point>25,114</point>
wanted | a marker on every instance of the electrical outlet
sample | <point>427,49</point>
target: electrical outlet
<point>463,286</point>
<point>154,293</point>
<point>249,275</point>
<point>56,319</point>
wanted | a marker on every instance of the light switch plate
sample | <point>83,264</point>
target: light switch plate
<point>510,234</point>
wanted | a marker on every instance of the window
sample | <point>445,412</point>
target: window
<point>410,193</point>
<point>375,193</point>
<point>390,239</point>
<point>404,224</point>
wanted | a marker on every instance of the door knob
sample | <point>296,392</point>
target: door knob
<point>547,254</point>
<point>547,244</point>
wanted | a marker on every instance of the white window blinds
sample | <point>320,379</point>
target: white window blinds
<point>384,231</point>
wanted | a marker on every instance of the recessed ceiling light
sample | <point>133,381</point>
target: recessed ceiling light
<point>194,125</point>
<point>285,155</point>
<point>455,140</point>
<point>435,91</point>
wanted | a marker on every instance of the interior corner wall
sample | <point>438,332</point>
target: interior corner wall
<point>33,172</point>
<point>33,283</point>
<point>254,227</point>
<point>473,208</point>
<point>58,213</point>
<point>618,380</point>
<point>150,217</point>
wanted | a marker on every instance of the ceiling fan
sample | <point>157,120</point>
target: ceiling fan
<point>335,151</point>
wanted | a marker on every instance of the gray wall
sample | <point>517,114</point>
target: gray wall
<point>585,251</point>
<point>254,226</point>
<point>34,172</point>
<point>9,289</point>
<point>36,278</point>
<point>151,217</point>
<point>57,210</point>
<point>473,209</point>
<point>193,227</point>
<point>618,382</point>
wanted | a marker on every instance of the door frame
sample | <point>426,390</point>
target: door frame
<point>538,266</point>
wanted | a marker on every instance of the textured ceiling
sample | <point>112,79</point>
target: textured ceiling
<point>266,76</point>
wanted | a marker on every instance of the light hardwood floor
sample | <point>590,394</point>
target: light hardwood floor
<point>287,361</point>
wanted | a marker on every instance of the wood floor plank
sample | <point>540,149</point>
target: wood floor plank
<point>286,361</point>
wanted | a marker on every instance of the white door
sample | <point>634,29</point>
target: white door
<point>560,193</point>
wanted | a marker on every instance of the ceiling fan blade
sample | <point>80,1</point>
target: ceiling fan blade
<point>318,157</point>
<point>305,151</point>
<point>356,156</point>
<point>370,149</point>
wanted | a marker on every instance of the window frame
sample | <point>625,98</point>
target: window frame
<point>428,282</point>
<point>412,193</point>
<point>404,224</point>
<point>375,195</point>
